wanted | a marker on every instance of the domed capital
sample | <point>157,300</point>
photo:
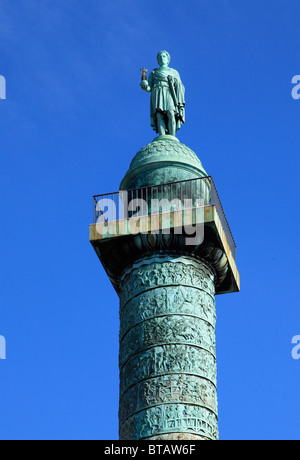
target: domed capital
<point>162,161</point>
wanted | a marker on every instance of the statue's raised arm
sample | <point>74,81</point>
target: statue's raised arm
<point>167,104</point>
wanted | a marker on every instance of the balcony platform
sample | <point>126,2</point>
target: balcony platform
<point>106,236</point>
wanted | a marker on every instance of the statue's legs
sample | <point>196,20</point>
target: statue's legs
<point>171,122</point>
<point>161,123</point>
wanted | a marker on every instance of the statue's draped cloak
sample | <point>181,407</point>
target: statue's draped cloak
<point>161,95</point>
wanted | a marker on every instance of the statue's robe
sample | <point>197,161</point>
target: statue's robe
<point>162,99</point>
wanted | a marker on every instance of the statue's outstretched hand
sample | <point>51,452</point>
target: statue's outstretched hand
<point>145,85</point>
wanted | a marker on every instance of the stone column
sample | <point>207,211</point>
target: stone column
<point>167,349</point>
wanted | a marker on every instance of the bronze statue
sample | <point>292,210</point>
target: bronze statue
<point>167,105</point>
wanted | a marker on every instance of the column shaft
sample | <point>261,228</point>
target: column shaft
<point>167,350</point>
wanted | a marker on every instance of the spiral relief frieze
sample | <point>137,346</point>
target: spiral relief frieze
<point>167,349</point>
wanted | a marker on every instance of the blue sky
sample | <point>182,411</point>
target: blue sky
<point>73,119</point>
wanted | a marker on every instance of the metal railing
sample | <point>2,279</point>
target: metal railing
<point>172,196</point>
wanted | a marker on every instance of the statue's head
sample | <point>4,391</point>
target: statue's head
<point>163,58</point>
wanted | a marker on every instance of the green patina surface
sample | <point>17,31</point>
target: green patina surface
<point>167,329</point>
<point>167,293</point>
<point>162,161</point>
<point>167,349</point>
<point>167,104</point>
